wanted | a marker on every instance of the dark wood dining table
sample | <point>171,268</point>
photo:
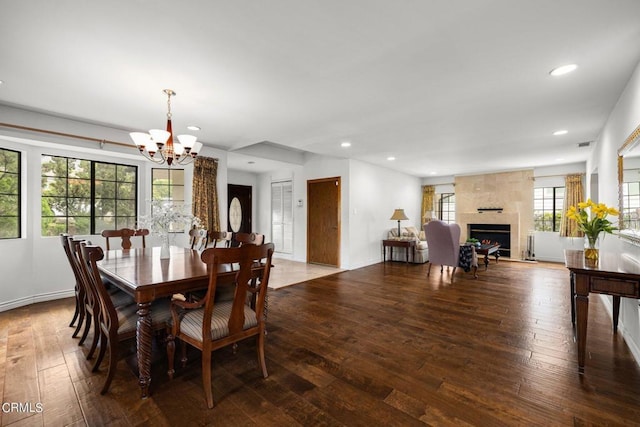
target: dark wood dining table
<point>142,274</point>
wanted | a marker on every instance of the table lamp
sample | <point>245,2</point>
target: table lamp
<point>399,215</point>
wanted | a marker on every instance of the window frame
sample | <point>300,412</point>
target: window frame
<point>92,208</point>
<point>556,211</point>
<point>18,193</point>
<point>451,213</point>
<point>629,219</point>
<point>171,187</point>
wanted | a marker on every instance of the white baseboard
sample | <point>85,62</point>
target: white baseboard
<point>33,299</point>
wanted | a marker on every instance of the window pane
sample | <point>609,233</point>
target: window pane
<point>54,206</point>
<point>126,222</point>
<point>9,205</point>
<point>105,223</point>
<point>126,191</point>
<point>9,161</point>
<point>79,168</point>
<point>105,207</point>
<point>9,228</point>
<point>126,207</point>
<point>126,173</point>
<point>105,189</point>
<point>80,207</point>
<point>105,171</point>
<point>54,187</point>
<point>79,187</point>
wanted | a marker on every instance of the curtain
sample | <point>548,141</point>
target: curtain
<point>205,192</point>
<point>573,194</point>
<point>428,191</point>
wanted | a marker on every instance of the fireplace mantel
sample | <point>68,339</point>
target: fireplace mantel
<point>511,218</point>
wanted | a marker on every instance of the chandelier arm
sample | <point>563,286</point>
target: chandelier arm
<point>152,159</point>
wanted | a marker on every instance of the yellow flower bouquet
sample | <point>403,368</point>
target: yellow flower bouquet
<point>592,225</point>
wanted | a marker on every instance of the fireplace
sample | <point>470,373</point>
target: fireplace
<point>495,233</point>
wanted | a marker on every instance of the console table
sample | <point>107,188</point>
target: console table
<point>407,244</point>
<point>612,274</point>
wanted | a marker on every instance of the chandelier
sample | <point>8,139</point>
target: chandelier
<point>161,141</point>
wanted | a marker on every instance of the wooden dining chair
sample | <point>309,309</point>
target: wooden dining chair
<point>90,303</point>
<point>221,237</point>
<point>199,238</point>
<point>209,325</point>
<point>116,324</point>
<point>248,238</point>
<point>125,234</point>
<point>79,313</point>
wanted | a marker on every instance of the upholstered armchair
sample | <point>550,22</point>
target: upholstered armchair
<point>420,253</point>
<point>444,244</point>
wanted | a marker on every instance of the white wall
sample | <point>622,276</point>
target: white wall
<point>623,120</point>
<point>34,268</point>
<point>374,194</point>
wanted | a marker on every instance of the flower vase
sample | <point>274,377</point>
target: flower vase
<point>165,251</point>
<point>591,248</point>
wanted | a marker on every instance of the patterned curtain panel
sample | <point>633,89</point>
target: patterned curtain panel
<point>428,191</point>
<point>573,194</point>
<point>205,192</point>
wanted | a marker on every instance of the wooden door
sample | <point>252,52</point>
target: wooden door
<point>239,209</point>
<point>323,221</point>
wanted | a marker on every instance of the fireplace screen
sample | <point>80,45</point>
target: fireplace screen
<point>494,233</point>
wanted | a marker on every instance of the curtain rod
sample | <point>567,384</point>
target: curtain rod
<point>67,135</point>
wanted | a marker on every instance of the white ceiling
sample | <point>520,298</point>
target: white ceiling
<point>445,86</point>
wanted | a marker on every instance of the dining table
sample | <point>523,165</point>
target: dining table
<point>141,273</point>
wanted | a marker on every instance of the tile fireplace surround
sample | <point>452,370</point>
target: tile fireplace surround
<point>512,191</point>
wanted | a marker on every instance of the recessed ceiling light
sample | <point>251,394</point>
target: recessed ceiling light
<point>345,144</point>
<point>251,162</point>
<point>1,82</point>
<point>559,160</point>
<point>564,69</point>
<point>391,158</point>
<point>434,173</point>
<point>193,127</point>
<point>561,132</point>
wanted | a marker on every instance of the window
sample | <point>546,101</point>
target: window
<point>548,206</point>
<point>168,184</point>
<point>86,197</point>
<point>631,204</point>
<point>10,200</point>
<point>282,216</point>
<point>447,207</point>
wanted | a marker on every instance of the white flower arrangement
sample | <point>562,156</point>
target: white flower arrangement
<point>166,217</point>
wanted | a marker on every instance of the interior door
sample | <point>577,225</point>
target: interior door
<point>239,213</point>
<point>323,221</point>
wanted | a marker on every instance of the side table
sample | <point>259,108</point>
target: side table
<point>407,244</point>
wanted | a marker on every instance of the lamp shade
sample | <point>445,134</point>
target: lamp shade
<point>399,215</point>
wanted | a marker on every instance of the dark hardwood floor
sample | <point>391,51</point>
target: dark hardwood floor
<point>382,345</point>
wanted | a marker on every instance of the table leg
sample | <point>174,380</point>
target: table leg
<point>486,262</point>
<point>582,311</point>
<point>616,312</point>
<point>407,255</point>
<point>572,290</point>
<point>143,340</point>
